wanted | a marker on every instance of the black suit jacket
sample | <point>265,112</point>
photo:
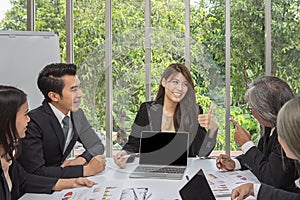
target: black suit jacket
<point>24,182</point>
<point>149,118</point>
<point>42,148</point>
<point>267,192</point>
<point>269,163</point>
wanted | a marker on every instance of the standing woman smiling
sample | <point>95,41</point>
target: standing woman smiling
<point>173,110</point>
<point>14,180</point>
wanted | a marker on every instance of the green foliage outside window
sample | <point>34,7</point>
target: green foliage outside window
<point>167,46</point>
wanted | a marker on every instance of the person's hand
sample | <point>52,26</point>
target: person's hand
<point>242,191</point>
<point>96,165</point>
<point>224,162</point>
<point>67,183</point>
<point>241,136</point>
<point>82,182</point>
<point>119,160</point>
<point>77,161</point>
<point>206,120</point>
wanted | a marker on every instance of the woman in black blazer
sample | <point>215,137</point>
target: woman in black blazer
<point>288,125</point>
<point>14,180</point>
<point>174,110</point>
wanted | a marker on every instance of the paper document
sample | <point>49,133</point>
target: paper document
<point>138,193</point>
<point>104,192</point>
<point>97,192</point>
<point>222,183</point>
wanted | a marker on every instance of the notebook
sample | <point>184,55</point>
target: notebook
<point>162,155</point>
<point>197,188</point>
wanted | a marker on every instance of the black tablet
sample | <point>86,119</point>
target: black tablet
<point>197,188</point>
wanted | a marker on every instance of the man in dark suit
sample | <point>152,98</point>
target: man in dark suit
<point>288,137</point>
<point>57,125</point>
<point>265,96</point>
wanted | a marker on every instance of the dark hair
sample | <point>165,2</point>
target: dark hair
<point>49,79</point>
<point>11,99</point>
<point>187,110</point>
<point>266,95</point>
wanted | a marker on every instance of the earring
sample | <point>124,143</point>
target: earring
<point>15,143</point>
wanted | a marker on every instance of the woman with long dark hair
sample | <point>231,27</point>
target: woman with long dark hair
<point>14,180</point>
<point>173,110</point>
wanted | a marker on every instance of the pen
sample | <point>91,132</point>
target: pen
<point>145,193</point>
<point>219,160</point>
<point>204,157</point>
<point>148,196</point>
<point>187,177</point>
<point>135,196</point>
<point>130,155</point>
<point>223,195</point>
<point>225,159</point>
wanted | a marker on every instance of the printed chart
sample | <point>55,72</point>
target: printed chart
<point>95,193</point>
<point>222,182</point>
<point>103,192</point>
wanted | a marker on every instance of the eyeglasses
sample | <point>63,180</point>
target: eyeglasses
<point>250,109</point>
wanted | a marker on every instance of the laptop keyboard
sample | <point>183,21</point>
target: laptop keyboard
<point>169,170</point>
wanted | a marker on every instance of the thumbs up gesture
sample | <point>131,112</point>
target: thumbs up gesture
<point>206,120</point>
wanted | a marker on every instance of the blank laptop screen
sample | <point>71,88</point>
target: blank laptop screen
<point>164,148</point>
<point>197,188</point>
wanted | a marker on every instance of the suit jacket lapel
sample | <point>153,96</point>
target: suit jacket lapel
<point>55,125</point>
<point>155,115</point>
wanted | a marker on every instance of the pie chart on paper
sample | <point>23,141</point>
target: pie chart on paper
<point>67,196</point>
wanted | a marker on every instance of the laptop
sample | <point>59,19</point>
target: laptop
<point>197,188</point>
<point>191,191</point>
<point>162,155</point>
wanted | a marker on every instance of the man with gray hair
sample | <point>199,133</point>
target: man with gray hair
<point>265,96</point>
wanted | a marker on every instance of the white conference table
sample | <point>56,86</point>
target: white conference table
<point>161,189</point>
